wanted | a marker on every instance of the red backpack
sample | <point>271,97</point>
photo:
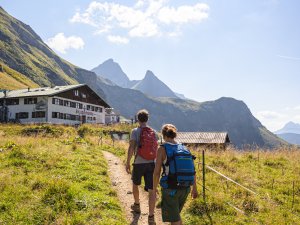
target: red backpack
<point>148,144</point>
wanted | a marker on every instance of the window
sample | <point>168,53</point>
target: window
<point>76,92</point>
<point>38,114</point>
<point>55,115</point>
<point>67,103</point>
<point>22,115</point>
<point>12,101</point>
<point>73,104</point>
<point>88,107</point>
<point>28,101</point>
<point>98,109</point>
<point>67,116</point>
<point>78,105</point>
<point>83,95</point>
<point>55,101</point>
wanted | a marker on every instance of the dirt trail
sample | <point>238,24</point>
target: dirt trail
<point>123,185</point>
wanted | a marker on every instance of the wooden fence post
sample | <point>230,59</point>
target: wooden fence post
<point>293,201</point>
<point>203,174</point>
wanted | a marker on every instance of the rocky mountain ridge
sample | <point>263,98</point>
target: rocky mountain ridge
<point>150,85</point>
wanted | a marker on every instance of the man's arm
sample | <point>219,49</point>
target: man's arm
<point>130,153</point>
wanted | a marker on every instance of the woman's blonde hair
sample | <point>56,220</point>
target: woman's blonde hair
<point>169,130</point>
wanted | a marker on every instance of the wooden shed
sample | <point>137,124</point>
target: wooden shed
<point>212,140</point>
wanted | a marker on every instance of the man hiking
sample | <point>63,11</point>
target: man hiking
<point>143,146</point>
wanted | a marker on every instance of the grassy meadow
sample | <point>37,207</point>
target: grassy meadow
<point>54,177</point>
<point>271,177</point>
<point>57,175</point>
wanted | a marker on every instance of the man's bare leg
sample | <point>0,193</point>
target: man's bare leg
<point>151,202</point>
<point>136,194</point>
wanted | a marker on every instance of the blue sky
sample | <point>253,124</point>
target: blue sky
<point>248,50</point>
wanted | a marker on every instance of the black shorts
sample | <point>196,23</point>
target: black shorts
<point>143,170</point>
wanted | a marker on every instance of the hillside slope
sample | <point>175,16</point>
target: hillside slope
<point>11,79</point>
<point>24,51</point>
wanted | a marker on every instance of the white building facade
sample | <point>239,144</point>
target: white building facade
<point>72,104</point>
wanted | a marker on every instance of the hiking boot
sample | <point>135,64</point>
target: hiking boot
<point>151,220</point>
<point>136,208</point>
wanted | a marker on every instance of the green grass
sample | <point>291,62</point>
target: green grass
<point>49,180</point>
<point>57,175</point>
<point>268,173</point>
<point>11,79</point>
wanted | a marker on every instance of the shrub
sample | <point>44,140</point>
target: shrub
<point>43,129</point>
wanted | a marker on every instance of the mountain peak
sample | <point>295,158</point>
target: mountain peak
<point>110,61</point>
<point>154,87</point>
<point>111,70</point>
<point>290,127</point>
<point>150,75</point>
<point>291,124</point>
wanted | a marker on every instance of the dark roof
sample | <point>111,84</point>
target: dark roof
<point>203,137</point>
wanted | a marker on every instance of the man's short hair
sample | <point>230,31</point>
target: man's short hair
<point>143,116</point>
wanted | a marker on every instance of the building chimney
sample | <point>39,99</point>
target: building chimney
<point>5,93</point>
<point>28,89</point>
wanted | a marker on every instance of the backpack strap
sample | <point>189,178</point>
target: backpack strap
<point>137,142</point>
<point>169,153</point>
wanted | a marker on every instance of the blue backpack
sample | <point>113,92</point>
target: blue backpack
<point>179,170</point>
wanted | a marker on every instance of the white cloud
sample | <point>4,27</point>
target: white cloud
<point>184,14</point>
<point>272,120</point>
<point>146,18</point>
<point>117,39</point>
<point>146,28</point>
<point>297,119</point>
<point>276,120</point>
<point>288,57</point>
<point>269,115</point>
<point>61,43</point>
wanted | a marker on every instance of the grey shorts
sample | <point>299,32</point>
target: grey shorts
<point>143,170</point>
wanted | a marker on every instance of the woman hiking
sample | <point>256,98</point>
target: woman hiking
<point>174,190</point>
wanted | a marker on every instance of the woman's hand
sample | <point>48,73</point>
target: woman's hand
<point>194,193</point>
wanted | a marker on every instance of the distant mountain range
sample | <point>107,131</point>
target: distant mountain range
<point>150,85</point>
<point>290,133</point>
<point>25,60</point>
